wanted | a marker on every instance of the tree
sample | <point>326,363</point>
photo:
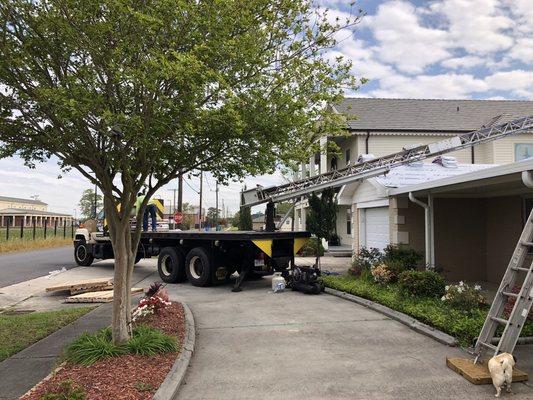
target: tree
<point>321,220</point>
<point>133,94</point>
<point>86,204</point>
<point>245,219</point>
<point>211,217</point>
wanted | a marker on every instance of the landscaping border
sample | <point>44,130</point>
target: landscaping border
<point>172,383</point>
<point>411,322</point>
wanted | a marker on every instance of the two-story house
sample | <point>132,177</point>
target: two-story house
<point>382,126</point>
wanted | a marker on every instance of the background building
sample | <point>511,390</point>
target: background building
<point>16,211</point>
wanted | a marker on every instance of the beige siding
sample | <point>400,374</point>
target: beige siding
<point>484,153</point>
<point>384,145</point>
<point>504,149</point>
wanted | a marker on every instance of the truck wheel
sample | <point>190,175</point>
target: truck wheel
<point>170,265</point>
<point>198,267</point>
<point>82,256</point>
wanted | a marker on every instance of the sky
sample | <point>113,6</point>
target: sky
<point>459,49</point>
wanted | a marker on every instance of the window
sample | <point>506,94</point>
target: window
<point>333,163</point>
<point>523,151</point>
<point>348,221</point>
<point>347,156</point>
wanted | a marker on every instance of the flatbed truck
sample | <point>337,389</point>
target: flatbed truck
<point>203,258</point>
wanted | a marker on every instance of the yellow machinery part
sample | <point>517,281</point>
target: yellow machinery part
<point>298,244</point>
<point>265,245</point>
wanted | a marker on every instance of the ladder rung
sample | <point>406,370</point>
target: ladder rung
<point>499,320</point>
<point>520,269</point>
<point>489,346</point>
<point>510,294</point>
<point>530,244</point>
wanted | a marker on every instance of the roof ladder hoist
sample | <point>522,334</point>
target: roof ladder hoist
<point>379,166</point>
<point>517,271</point>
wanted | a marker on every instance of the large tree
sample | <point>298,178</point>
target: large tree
<point>139,92</point>
<point>322,217</point>
<point>87,205</point>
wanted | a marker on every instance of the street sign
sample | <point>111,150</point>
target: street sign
<point>178,217</point>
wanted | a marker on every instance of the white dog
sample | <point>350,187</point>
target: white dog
<point>501,371</point>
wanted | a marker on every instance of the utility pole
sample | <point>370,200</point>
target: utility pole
<point>216,206</point>
<point>201,190</point>
<point>180,193</point>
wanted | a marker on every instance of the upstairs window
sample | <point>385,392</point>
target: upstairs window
<point>523,151</point>
<point>347,156</point>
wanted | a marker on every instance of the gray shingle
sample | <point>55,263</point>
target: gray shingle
<point>429,115</point>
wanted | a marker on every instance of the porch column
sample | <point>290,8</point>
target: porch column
<point>323,155</point>
<point>312,165</point>
<point>429,232</point>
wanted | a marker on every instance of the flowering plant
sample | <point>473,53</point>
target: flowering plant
<point>510,304</point>
<point>155,299</point>
<point>382,274</point>
<point>463,296</point>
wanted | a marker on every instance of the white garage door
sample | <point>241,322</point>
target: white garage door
<point>377,227</point>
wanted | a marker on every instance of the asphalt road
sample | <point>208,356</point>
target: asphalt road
<point>22,266</point>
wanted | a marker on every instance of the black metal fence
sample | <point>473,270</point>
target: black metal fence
<point>45,229</point>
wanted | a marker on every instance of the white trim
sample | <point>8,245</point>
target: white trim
<point>373,204</point>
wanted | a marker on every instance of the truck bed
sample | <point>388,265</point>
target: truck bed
<point>224,235</point>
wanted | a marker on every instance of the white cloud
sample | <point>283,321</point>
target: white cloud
<point>519,82</point>
<point>465,62</point>
<point>444,86</point>
<point>478,26</point>
<point>403,41</point>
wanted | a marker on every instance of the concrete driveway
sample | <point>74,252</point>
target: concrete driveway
<point>259,345</point>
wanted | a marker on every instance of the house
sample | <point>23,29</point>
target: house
<point>379,127</point>
<point>475,214</point>
<point>15,211</point>
<point>258,223</point>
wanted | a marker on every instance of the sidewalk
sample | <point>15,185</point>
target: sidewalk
<point>22,371</point>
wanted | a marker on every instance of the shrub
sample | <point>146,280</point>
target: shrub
<point>382,274</point>
<point>364,260</point>
<point>312,247</point>
<point>150,305</point>
<point>463,296</point>
<point>89,348</point>
<point>148,341</point>
<point>66,391</point>
<point>401,258</point>
<point>421,283</point>
<point>334,240</point>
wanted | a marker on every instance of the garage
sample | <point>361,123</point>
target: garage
<point>375,227</point>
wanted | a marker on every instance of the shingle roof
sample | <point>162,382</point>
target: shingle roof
<point>19,200</point>
<point>429,115</point>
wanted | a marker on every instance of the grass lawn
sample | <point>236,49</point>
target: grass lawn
<point>434,312</point>
<point>22,330</point>
<point>13,245</point>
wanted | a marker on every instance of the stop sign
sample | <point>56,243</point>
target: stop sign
<point>178,217</point>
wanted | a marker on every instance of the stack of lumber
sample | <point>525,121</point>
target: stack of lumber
<point>89,291</point>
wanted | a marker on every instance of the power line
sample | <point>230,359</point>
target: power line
<point>193,189</point>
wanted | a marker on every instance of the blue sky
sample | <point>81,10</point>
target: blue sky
<point>468,49</point>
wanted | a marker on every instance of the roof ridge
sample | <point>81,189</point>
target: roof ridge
<point>433,99</point>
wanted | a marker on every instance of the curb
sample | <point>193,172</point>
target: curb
<point>412,323</point>
<point>171,385</point>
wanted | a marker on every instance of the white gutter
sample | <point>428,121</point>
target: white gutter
<point>527,178</point>
<point>428,228</point>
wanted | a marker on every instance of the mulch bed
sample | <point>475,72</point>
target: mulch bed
<point>124,377</point>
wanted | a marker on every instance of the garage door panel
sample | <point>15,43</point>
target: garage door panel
<point>377,227</point>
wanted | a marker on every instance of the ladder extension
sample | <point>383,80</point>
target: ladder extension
<point>381,165</point>
<point>523,300</point>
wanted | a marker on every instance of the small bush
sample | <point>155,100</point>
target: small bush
<point>382,274</point>
<point>421,283</point>
<point>364,260</point>
<point>148,341</point>
<point>463,296</point>
<point>90,348</point>
<point>334,240</point>
<point>312,247</point>
<point>402,258</point>
<point>66,391</point>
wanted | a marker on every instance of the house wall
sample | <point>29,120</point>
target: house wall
<point>407,223</point>
<point>460,244</point>
<point>502,233</point>
<point>504,149</point>
<point>22,205</point>
<point>346,239</point>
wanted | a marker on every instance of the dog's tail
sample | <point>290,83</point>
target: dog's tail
<point>505,364</point>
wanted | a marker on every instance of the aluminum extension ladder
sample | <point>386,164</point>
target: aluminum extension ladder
<point>524,300</point>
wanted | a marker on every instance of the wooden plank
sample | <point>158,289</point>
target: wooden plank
<point>479,374</point>
<point>98,282</point>
<point>104,296</point>
<point>91,289</point>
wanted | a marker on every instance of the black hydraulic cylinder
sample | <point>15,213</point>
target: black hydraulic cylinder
<point>269,217</point>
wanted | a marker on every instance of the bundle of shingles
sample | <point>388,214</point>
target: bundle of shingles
<point>89,291</point>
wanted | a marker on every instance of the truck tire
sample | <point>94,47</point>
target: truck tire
<point>82,256</point>
<point>171,265</point>
<point>198,267</point>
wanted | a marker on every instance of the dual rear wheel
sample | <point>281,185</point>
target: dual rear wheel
<point>174,267</point>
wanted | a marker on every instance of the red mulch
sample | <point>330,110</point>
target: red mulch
<point>124,377</point>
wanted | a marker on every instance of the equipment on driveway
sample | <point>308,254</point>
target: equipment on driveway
<point>306,280</point>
